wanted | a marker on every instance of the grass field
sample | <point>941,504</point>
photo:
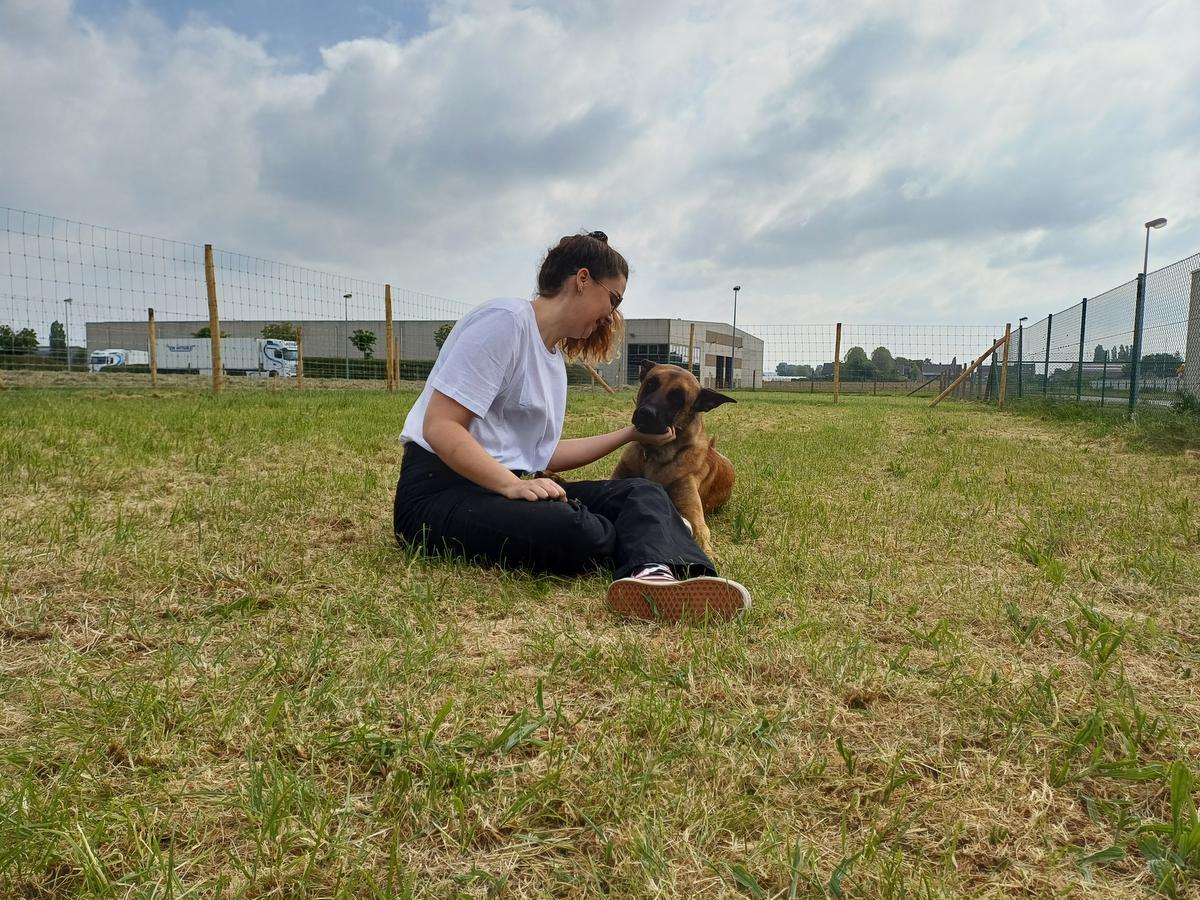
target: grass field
<point>971,667</point>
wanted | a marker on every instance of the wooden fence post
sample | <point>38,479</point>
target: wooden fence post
<point>691,344</point>
<point>214,321</point>
<point>387,336</point>
<point>967,371</point>
<point>837,363</point>
<point>152,334</point>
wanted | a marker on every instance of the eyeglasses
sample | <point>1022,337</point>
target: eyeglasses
<point>613,297</point>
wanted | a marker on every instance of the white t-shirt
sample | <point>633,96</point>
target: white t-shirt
<point>495,363</point>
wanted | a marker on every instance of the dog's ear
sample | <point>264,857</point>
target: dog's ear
<point>647,365</point>
<point>707,400</point>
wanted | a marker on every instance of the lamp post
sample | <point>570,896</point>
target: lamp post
<point>733,336</point>
<point>346,328</point>
<point>1153,223</point>
<point>1138,317</point>
<point>67,330</point>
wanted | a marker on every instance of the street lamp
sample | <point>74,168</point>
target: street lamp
<point>1138,317</point>
<point>1153,223</point>
<point>67,330</point>
<point>733,336</point>
<point>346,328</point>
<point>1021,356</point>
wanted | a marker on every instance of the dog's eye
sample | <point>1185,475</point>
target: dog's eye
<point>675,397</point>
<point>651,386</point>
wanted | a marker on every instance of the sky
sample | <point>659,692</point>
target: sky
<point>924,162</point>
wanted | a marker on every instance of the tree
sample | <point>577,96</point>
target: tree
<point>1099,354</point>
<point>280,331</point>
<point>1155,365</point>
<point>58,336</point>
<point>857,365</point>
<point>364,340</point>
<point>206,332</point>
<point>443,332</point>
<point>881,359</point>
<point>17,341</point>
<point>908,368</point>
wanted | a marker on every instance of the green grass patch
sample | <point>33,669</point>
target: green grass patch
<point>970,668</point>
<point>1162,429</point>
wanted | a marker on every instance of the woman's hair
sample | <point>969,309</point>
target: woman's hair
<point>589,251</point>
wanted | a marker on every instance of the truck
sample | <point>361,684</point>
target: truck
<point>107,359</point>
<point>239,356</point>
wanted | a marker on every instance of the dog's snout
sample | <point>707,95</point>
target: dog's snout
<point>643,418</point>
<point>649,419</point>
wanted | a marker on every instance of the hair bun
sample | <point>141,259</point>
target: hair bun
<point>598,235</point>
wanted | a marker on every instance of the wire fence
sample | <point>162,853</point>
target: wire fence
<point>83,298</point>
<point>872,359</point>
<point>1136,343</point>
<point>78,298</point>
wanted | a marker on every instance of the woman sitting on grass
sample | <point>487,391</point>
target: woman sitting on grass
<point>489,424</point>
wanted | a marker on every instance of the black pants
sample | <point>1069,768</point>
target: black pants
<point>619,525</point>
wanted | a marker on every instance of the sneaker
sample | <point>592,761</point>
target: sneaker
<point>658,599</point>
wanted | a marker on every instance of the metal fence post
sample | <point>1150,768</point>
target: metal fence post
<point>1103,379</point>
<point>1046,373</point>
<point>1079,374</point>
<point>1020,360</point>
<point>1004,370</point>
<point>1139,313</point>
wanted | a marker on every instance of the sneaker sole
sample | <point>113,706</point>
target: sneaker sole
<point>671,601</point>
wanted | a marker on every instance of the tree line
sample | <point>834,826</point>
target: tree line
<point>26,340</point>
<point>881,365</point>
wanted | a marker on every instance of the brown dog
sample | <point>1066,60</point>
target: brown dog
<point>697,477</point>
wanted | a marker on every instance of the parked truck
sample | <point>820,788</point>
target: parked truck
<point>239,356</point>
<point>108,359</point>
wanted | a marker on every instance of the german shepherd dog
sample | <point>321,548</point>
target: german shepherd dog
<point>697,478</point>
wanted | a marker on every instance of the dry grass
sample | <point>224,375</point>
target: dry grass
<point>970,668</point>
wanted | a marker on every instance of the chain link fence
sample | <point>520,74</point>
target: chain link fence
<point>1102,351</point>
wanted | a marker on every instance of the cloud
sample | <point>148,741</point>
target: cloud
<point>902,162</point>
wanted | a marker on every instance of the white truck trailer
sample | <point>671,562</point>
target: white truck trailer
<point>239,356</point>
<point>108,359</point>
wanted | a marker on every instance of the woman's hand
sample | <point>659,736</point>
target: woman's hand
<point>534,489</point>
<point>654,440</point>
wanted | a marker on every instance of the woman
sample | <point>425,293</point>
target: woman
<point>489,424</point>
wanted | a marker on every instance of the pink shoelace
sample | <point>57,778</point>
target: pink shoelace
<point>655,572</point>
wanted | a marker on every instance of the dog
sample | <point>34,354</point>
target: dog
<point>698,479</point>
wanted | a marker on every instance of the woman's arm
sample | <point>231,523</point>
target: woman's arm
<point>445,429</point>
<point>576,452</point>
